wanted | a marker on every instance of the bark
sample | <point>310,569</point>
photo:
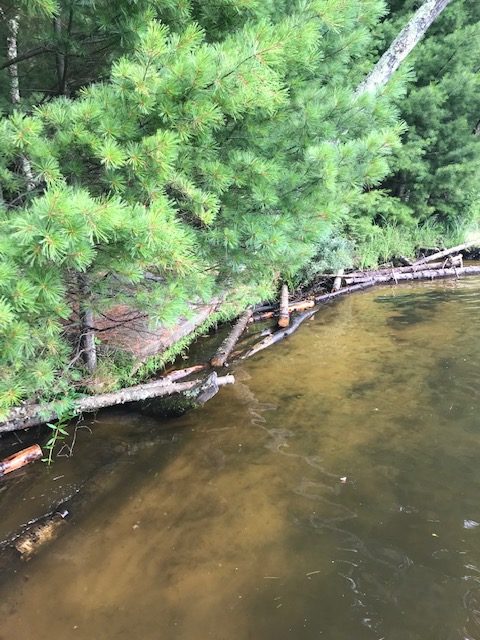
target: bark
<point>337,283</point>
<point>427,274</point>
<point>39,533</point>
<point>226,348</point>
<point>33,415</point>
<point>12,54</point>
<point>87,332</point>
<point>59,55</point>
<point>284,319</point>
<point>20,459</point>
<point>182,373</point>
<point>403,44</point>
<point>445,253</point>
<point>358,276</point>
<point>294,306</point>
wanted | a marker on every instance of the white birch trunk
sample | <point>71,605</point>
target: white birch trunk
<point>403,44</point>
<point>12,54</point>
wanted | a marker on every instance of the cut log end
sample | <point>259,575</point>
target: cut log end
<point>20,459</point>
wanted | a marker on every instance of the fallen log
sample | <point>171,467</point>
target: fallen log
<point>280,335</point>
<point>444,253</point>
<point>404,261</point>
<point>177,404</point>
<point>428,274</point>
<point>284,319</point>
<point>407,269</point>
<point>225,349</point>
<point>20,459</point>
<point>359,276</point>
<point>179,374</point>
<point>425,274</point>
<point>337,283</point>
<point>302,305</point>
<point>33,415</point>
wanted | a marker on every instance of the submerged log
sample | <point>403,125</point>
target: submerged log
<point>20,459</point>
<point>39,533</point>
<point>179,374</point>
<point>33,415</point>
<point>445,253</point>
<point>225,349</point>
<point>284,319</point>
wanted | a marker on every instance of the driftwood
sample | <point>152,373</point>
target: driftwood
<point>445,253</point>
<point>20,459</point>
<point>33,415</point>
<point>292,307</point>
<point>284,319</point>
<point>425,274</point>
<point>337,283</point>
<point>179,374</point>
<point>225,349</point>
<point>359,276</point>
<point>284,333</point>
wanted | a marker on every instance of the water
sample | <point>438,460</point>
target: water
<point>332,493</point>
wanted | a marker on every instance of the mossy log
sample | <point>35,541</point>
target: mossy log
<point>33,415</point>
<point>177,404</point>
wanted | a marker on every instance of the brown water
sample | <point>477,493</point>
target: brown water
<point>234,523</point>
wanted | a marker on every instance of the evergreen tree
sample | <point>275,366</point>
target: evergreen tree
<point>435,171</point>
<point>224,147</point>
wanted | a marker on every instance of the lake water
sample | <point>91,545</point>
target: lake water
<point>332,493</point>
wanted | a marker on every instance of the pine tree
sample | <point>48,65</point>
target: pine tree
<point>226,145</point>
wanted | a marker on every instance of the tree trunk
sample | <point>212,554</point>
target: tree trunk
<point>227,345</point>
<point>59,55</point>
<point>403,44</point>
<point>87,332</point>
<point>33,415</point>
<point>12,54</point>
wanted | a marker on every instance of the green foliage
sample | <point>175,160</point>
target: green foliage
<point>435,171</point>
<point>58,433</point>
<point>223,150</point>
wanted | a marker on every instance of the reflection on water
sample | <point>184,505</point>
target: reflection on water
<point>333,492</point>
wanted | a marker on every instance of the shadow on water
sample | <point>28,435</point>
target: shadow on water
<point>332,492</point>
